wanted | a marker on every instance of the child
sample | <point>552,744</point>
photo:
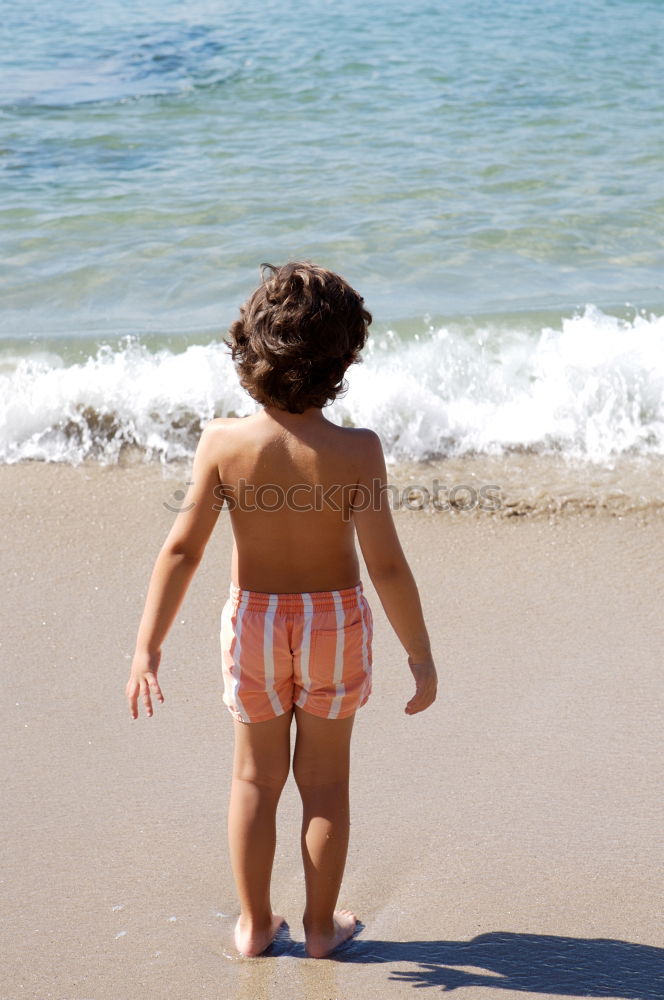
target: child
<point>296,630</point>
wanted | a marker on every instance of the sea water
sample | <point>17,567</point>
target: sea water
<point>487,173</point>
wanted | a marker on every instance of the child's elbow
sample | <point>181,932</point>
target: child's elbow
<point>184,549</point>
<point>383,570</point>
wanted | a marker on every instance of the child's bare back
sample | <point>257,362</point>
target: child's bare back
<point>289,481</point>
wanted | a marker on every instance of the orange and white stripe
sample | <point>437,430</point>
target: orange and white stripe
<point>311,649</point>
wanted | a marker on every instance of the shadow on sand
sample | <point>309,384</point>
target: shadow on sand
<point>532,963</point>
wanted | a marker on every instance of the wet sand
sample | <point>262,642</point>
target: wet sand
<point>507,841</point>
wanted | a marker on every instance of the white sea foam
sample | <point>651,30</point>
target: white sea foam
<point>593,388</point>
<point>121,397</point>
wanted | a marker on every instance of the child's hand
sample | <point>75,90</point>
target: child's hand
<point>426,684</point>
<point>143,681</point>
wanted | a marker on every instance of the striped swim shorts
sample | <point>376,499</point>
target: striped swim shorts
<point>311,650</point>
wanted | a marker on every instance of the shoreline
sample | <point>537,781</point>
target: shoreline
<point>513,486</point>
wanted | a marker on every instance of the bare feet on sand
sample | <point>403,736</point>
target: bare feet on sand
<point>320,945</point>
<point>251,939</point>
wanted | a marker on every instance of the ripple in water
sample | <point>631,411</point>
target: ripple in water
<point>164,61</point>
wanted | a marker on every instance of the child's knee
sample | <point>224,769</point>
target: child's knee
<point>265,770</point>
<point>269,776</point>
<point>310,775</point>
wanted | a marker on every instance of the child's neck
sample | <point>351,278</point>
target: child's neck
<point>286,419</point>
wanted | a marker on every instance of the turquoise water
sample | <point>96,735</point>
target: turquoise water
<point>449,157</point>
<point>477,166</point>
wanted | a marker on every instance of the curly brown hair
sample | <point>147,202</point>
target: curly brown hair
<point>296,335</point>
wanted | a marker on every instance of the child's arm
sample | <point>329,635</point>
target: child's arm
<point>390,573</point>
<point>173,571</point>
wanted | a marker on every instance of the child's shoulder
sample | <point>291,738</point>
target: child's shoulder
<point>357,437</point>
<point>218,422</point>
<point>216,427</point>
<point>360,447</point>
<point>225,435</point>
<point>360,437</point>
<point>215,437</point>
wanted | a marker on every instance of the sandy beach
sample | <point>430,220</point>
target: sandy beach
<point>507,841</point>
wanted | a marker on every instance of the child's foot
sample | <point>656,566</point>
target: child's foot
<point>251,940</point>
<point>321,945</point>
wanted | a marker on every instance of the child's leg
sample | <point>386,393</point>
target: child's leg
<point>260,768</point>
<point>321,768</point>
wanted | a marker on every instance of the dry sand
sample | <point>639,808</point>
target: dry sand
<point>507,842</point>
